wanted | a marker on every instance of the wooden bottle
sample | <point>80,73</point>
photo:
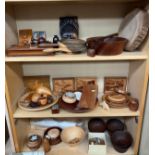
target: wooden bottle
<point>46,144</point>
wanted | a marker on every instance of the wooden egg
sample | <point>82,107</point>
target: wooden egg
<point>35,97</point>
<point>72,135</point>
<point>43,101</point>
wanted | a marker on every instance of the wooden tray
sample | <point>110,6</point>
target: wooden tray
<point>27,51</point>
<point>34,109</point>
<point>73,107</point>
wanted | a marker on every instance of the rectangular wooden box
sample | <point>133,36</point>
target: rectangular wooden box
<point>97,149</point>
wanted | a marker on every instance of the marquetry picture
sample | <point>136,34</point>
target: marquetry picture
<point>63,84</point>
<point>80,80</point>
<point>110,83</point>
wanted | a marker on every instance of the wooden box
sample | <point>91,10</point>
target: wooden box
<point>97,149</point>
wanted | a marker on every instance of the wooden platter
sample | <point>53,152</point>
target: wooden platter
<point>32,109</point>
<point>25,51</point>
<point>134,27</point>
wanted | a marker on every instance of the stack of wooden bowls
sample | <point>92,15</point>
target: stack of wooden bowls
<point>116,100</point>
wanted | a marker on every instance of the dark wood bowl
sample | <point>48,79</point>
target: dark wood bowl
<point>93,42</point>
<point>56,140</point>
<point>111,46</point>
<point>96,125</point>
<point>121,140</point>
<point>115,125</point>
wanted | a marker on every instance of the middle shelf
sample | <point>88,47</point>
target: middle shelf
<point>98,112</point>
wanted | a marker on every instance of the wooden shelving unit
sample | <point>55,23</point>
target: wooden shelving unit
<point>106,17</point>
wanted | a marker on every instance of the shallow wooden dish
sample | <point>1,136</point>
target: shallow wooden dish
<point>32,108</point>
<point>73,107</point>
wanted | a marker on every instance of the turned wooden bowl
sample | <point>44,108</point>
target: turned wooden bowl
<point>93,42</point>
<point>96,125</point>
<point>73,135</point>
<point>34,142</point>
<point>55,140</point>
<point>121,140</point>
<point>114,125</point>
<point>111,46</point>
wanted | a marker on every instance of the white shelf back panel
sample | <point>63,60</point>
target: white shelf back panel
<point>94,19</point>
<point>98,69</point>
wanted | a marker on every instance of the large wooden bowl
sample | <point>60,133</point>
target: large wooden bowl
<point>96,125</point>
<point>121,140</point>
<point>72,135</point>
<point>111,46</point>
<point>115,125</point>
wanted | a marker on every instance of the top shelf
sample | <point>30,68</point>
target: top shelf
<point>137,55</point>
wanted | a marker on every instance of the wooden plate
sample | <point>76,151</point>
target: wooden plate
<point>73,107</point>
<point>36,108</point>
<point>134,27</point>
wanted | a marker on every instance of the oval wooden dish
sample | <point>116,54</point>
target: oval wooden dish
<point>74,107</point>
<point>32,109</point>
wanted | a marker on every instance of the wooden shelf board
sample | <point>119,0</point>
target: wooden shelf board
<point>98,112</point>
<point>78,58</point>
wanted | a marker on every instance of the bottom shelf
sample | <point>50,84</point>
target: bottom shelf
<point>81,149</point>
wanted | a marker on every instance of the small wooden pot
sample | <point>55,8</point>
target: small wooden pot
<point>34,143</point>
<point>133,104</point>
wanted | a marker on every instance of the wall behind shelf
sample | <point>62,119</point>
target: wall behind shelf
<point>94,19</point>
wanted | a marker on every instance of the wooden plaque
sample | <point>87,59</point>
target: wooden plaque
<point>79,82</point>
<point>63,84</point>
<point>25,36</point>
<point>33,82</point>
<point>110,83</point>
